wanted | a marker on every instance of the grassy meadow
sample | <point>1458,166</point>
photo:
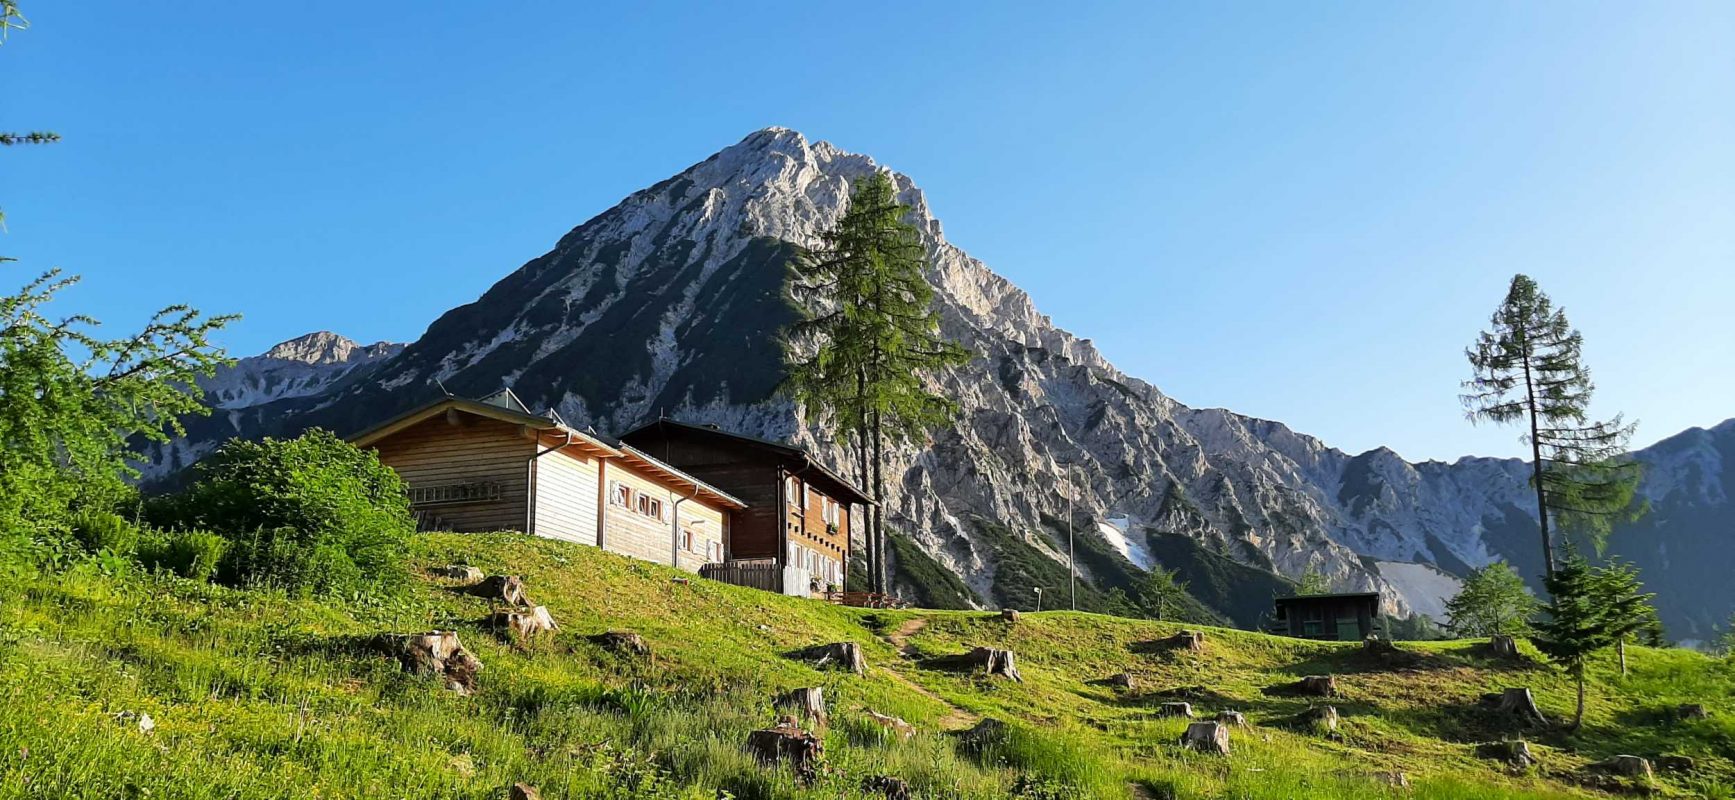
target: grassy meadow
<point>254,694</point>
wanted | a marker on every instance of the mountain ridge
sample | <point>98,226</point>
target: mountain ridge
<point>670,303</point>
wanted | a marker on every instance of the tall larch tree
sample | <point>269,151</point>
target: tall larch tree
<point>869,341</point>
<point>1528,369</point>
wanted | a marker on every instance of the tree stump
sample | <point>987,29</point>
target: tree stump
<point>841,655</point>
<point>461,573</point>
<point>524,791</point>
<point>887,786</point>
<point>1009,614</point>
<point>1502,646</point>
<point>809,704</point>
<point>1317,686</point>
<point>1630,766</point>
<point>508,589</point>
<point>788,743</point>
<point>1175,710</point>
<point>996,662</point>
<point>524,624</point>
<point>435,653</point>
<point>1193,641</point>
<point>1374,645</point>
<point>1518,704</point>
<point>1396,780</point>
<point>990,732</point>
<point>1675,763</point>
<point>1319,719</point>
<point>898,727</point>
<point>1517,753</point>
<point>1207,737</point>
<point>1692,711</point>
<point>1122,682</point>
<point>1232,719</point>
<point>623,642</point>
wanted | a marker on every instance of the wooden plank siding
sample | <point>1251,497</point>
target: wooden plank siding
<point>567,493</point>
<point>439,452</point>
<point>632,533</point>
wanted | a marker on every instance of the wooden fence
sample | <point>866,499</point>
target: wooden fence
<point>766,574</point>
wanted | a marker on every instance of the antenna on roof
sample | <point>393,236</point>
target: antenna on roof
<point>443,389</point>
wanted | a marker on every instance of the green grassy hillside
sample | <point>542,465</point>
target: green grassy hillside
<point>256,695</point>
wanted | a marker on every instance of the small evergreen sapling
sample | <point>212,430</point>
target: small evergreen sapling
<point>1588,610</point>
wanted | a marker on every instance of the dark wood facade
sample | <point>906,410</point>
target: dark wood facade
<point>1339,617</point>
<point>798,512</point>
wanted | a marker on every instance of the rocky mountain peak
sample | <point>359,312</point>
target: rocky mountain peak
<point>324,348</point>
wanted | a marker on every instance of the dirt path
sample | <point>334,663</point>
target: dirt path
<point>955,718</point>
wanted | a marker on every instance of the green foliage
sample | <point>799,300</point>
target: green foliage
<point>71,404</point>
<point>100,531</point>
<point>1493,600</point>
<point>1163,594</point>
<point>1589,609</point>
<point>928,584</point>
<point>194,554</point>
<point>869,338</point>
<point>311,514</point>
<point>1313,583</point>
<point>1725,642</point>
<point>1527,368</point>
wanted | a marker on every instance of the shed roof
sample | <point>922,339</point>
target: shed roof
<point>514,412</point>
<point>839,485</point>
<point>1332,596</point>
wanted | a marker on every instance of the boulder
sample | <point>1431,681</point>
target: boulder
<point>508,589</point>
<point>1517,703</point>
<point>788,743</point>
<point>887,787</point>
<point>623,642</point>
<point>838,655</point>
<point>1317,686</point>
<point>898,727</point>
<point>1232,719</point>
<point>1320,719</point>
<point>996,662</point>
<point>808,703</point>
<point>524,791</point>
<point>1517,753</point>
<point>1207,737</point>
<point>1502,646</point>
<point>1193,641</point>
<point>1175,710</point>
<point>1629,766</point>
<point>435,653</point>
<point>1692,711</point>
<point>1009,614</point>
<point>1396,780</point>
<point>524,624</point>
<point>461,573</point>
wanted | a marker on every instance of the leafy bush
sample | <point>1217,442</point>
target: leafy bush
<point>103,530</point>
<point>310,515</point>
<point>192,554</point>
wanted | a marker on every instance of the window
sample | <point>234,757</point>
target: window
<point>650,506</point>
<point>792,491</point>
<point>688,540</point>
<point>832,512</point>
<point>620,494</point>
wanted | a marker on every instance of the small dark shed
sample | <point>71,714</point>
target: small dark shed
<point>1341,617</point>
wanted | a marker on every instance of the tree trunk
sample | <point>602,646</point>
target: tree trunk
<point>1578,715</point>
<point>1536,471</point>
<point>1621,648</point>
<point>880,575</point>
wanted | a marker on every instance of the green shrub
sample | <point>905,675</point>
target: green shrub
<point>192,554</point>
<point>104,530</point>
<point>310,515</point>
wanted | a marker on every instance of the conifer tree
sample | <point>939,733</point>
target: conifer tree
<point>869,339</point>
<point>1492,601</point>
<point>1622,597</point>
<point>1588,610</point>
<point>1163,594</point>
<point>1527,368</point>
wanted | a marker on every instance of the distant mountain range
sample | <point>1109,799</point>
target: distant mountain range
<point>670,303</point>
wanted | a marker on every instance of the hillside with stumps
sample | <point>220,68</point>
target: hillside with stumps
<point>558,671</point>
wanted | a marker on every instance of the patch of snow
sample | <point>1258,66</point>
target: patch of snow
<point>1115,529</point>
<point>1423,586</point>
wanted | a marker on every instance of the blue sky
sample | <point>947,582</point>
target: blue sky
<point>1302,212</point>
